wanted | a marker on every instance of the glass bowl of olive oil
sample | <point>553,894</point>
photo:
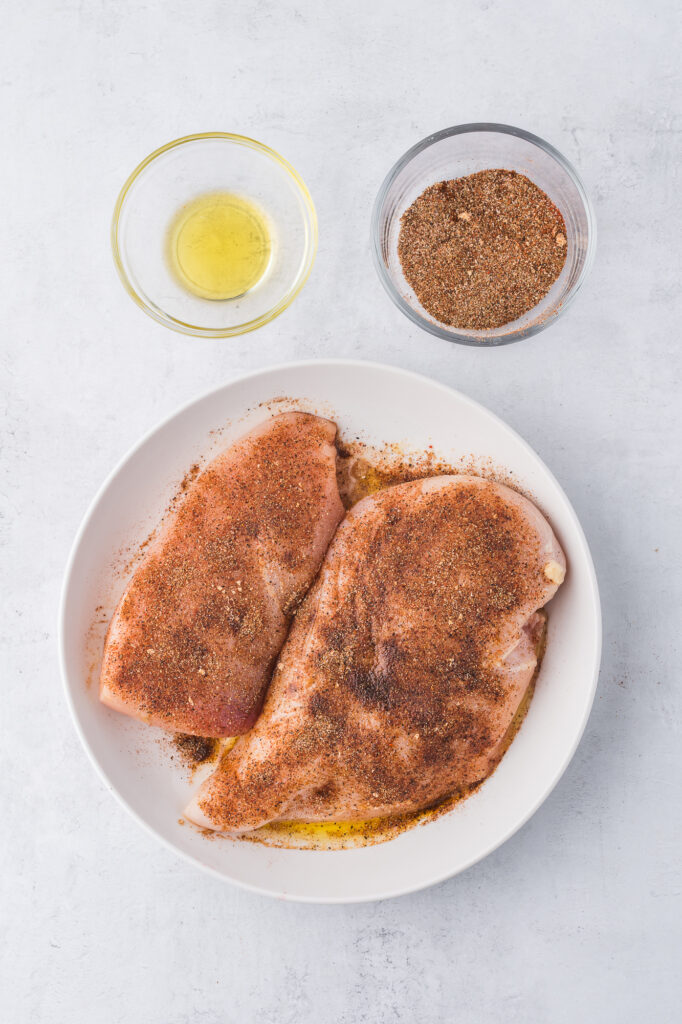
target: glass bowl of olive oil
<point>214,235</point>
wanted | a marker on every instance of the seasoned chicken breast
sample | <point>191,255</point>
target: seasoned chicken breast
<point>406,664</point>
<point>193,642</point>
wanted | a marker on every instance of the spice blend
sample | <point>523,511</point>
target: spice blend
<point>195,750</point>
<point>481,251</point>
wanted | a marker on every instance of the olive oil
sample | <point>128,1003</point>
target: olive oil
<point>219,245</point>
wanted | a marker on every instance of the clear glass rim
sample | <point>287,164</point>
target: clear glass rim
<point>250,325</point>
<point>387,281</point>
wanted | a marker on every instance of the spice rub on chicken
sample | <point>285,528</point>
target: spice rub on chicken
<point>193,642</point>
<point>406,665</point>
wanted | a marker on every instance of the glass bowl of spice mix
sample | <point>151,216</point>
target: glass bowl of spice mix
<point>482,234</point>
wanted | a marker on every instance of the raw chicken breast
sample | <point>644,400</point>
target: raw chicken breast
<point>406,665</point>
<point>193,642</point>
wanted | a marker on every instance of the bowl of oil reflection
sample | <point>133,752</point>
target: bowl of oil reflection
<point>214,235</point>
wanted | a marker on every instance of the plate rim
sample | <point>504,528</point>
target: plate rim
<point>402,890</point>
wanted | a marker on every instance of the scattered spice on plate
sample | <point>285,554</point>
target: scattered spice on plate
<point>481,251</point>
<point>195,749</point>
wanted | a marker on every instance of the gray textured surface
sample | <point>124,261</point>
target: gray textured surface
<point>578,916</point>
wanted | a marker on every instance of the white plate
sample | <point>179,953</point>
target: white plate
<point>382,404</point>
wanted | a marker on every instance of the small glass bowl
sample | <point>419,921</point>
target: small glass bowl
<point>454,153</point>
<point>191,167</point>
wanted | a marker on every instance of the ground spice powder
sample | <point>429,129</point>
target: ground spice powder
<point>483,250</point>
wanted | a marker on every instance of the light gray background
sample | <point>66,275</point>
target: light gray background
<point>577,918</point>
